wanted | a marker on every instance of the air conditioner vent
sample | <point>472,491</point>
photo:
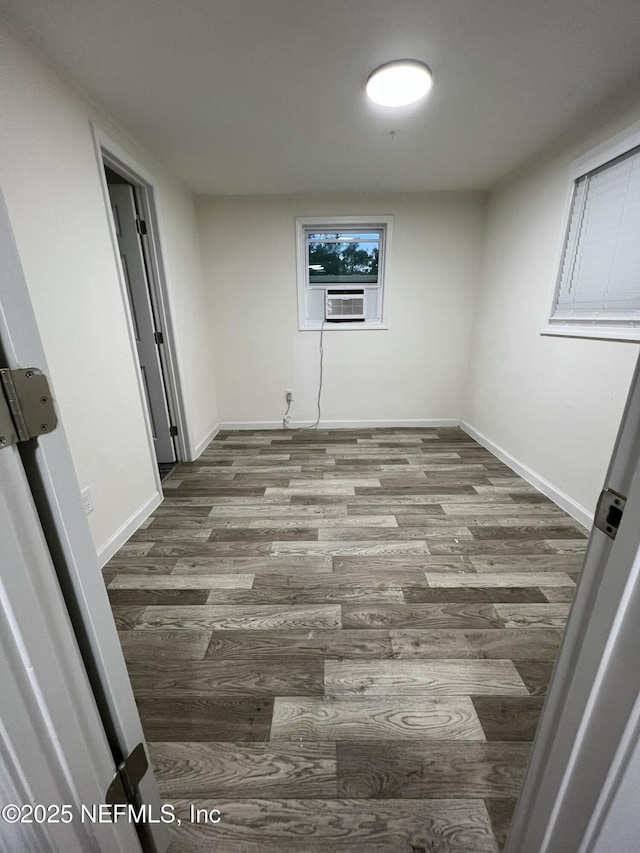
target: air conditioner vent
<point>344,306</point>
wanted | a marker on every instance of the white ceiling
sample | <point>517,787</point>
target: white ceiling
<point>266,96</point>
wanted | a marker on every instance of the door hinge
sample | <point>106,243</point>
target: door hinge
<point>141,226</point>
<point>26,406</point>
<point>158,337</point>
<point>127,778</point>
<point>609,512</point>
<point>173,430</point>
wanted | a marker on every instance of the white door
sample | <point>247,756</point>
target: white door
<point>582,788</point>
<point>134,272</point>
<point>68,715</point>
<point>54,751</point>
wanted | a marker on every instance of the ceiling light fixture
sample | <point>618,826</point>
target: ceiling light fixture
<point>398,83</point>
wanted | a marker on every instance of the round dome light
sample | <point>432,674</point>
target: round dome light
<point>398,83</point>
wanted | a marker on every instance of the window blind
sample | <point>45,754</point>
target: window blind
<point>600,269</point>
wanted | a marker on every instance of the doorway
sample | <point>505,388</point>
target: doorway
<point>133,222</point>
<point>130,227</point>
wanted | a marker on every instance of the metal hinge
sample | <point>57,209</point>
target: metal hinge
<point>609,512</point>
<point>128,776</point>
<point>26,407</point>
<point>141,226</point>
<point>173,430</point>
<point>158,337</point>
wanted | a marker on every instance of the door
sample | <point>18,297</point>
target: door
<point>580,792</point>
<point>54,751</point>
<point>134,271</point>
<point>63,673</point>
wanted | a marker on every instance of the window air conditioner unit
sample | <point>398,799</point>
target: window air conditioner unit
<point>344,306</point>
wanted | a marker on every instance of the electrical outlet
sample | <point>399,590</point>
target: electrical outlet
<point>288,395</point>
<point>87,501</point>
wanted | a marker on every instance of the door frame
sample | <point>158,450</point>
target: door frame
<point>109,153</point>
<point>56,494</point>
<point>127,214</point>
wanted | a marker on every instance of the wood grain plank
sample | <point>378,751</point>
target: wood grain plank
<point>292,645</point>
<point>203,718</point>
<point>216,678</point>
<point>339,580</point>
<point>511,579</point>
<point>252,565</point>
<point>567,546</point>
<point>445,769</point>
<point>532,615</point>
<point>241,617</point>
<point>166,597</point>
<point>491,546</point>
<point>179,581</point>
<point>338,826</point>
<point>386,534</point>
<point>525,531</point>
<point>526,562</point>
<point>536,675</point>
<point>183,521</point>
<point>210,549</point>
<point>307,521</point>
<point>262,534</point>
<point>282,509</point>
<point>478,507</point>
<point>524,643</point>
<point>135,549</point>
<point>140,566</point>
<point>347,548</point>
<point>407,563</point>
<point>509,717</point>
<point>424,594</point>
<point>297,596</point>
<point>162,645</point>
<point>126,616</point>
<point>558,594</point>
<point>322,487</point>
<point>430,616</point>
<point>422,677</point>
<point>356,719</point>
<point>501,813</point>
<point>247,769</point>
<point>159,534</point>
<point>172,512</point>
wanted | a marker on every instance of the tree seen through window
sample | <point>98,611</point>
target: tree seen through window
<point>343,258</point>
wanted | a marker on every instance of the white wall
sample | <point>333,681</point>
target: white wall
<point>50,178</point>
<point>415,371</point>
<point>552,403</point>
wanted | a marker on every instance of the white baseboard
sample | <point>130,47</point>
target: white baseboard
<point>202,445</point>
<point>390,423</point>
<point>555,494</point>
<point>118,539</point>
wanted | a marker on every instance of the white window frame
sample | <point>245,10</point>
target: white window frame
<point>335,223</point>
<point>606,328</point>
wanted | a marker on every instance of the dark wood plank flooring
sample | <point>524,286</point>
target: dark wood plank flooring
<point>342,639</point>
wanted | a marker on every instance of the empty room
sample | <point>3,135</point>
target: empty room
<point>319,426</point>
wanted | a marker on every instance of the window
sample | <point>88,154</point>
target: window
<point>597,292</point>
<point>341,271</point>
